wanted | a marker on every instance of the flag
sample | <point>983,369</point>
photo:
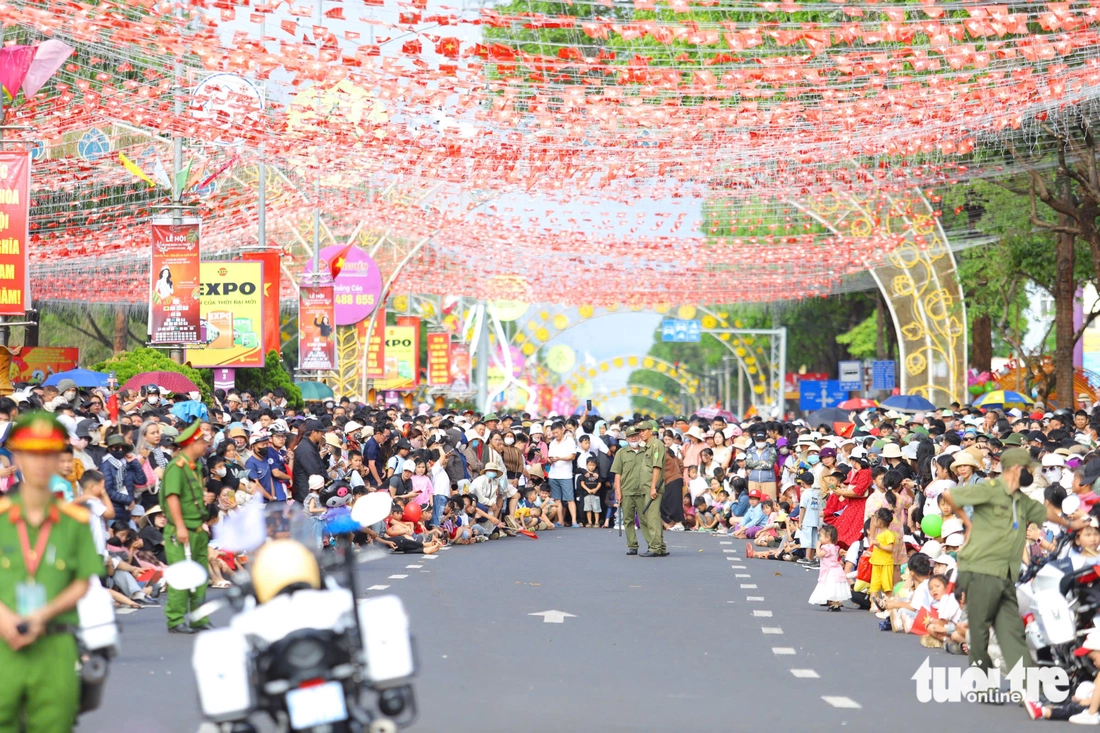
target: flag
<point>132,167</point>
<point>336,265</point>
<point>48,57</point>
<point>181,180</point>
<point>112,408</point>
<point>844,429</point>
<point>161,174</point>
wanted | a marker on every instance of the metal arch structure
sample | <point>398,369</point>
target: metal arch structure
<point>919,280</point>
<point>751,357</point>
<point>635,390</point>
<point>687,381</point>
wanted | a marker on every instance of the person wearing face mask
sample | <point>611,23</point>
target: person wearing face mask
<point>989,562</point>
<point>1050,471</point>
<point>121,473</point>
<point>68,391</point>
<point>152,395</point>
<point>760,458</point>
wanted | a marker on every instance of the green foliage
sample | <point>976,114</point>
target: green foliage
<point>129,364</point>
<point>862,341</point>
<point>273,376</point>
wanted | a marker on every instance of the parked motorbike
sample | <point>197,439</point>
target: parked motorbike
<point>301,650</point>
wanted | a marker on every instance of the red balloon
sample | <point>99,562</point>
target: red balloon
<point>413,512</point>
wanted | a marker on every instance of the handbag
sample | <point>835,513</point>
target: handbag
<point>863,568</point>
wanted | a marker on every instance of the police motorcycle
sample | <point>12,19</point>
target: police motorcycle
<point>96,643</point>
<point>301,650</point>
<point>1058,604</point>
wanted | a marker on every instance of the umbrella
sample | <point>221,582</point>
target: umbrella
<point>315,390</point>
<point>828,416</point>
<point>170,381</point>
<point>82,377</point>
<point>857,403</point>
<point>1003,398</point>
<point>190,410</point>
<point>908,403</point>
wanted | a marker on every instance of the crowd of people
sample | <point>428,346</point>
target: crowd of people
<point>924,520</point>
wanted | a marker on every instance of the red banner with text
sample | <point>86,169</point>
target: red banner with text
<point>316,328</point>
<point>376,347</point>
<point>174,278</point>
<point>439,360</point>
<point>15,183</point>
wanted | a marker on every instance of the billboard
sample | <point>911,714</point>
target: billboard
<point>439,360</point>
<point>15,182</point>
<point>232,316</point>
<point>402,352</point>
<point>272,283</point>
<point>316,328</point>
<point>36,363</point>
<point>174,279</point>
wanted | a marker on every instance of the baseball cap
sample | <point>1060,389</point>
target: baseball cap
<point>409,466</point>
<point>310,426</point>
<point>755,494</point>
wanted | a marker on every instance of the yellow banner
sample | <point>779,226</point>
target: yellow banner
<point>231,310</point>
<point>401,361</point>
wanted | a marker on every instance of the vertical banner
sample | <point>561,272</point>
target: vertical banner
<point>413,322</point>
<point>316,328</point>
<point>174,280</point>
<point>460,368</point>
<point>231,304</point>
<point>376,348</point>
<point>15,183</point>
<point>272,284</point>
<point>439,360</point>
<point>401,359</point>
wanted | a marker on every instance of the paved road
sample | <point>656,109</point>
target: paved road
<point>698,641</point>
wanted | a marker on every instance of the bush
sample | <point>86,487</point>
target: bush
<point>129,364</point>
<point>272,375</point>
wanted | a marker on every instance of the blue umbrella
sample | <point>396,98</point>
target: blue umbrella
<point>908,403</point>
<point>82,378</point>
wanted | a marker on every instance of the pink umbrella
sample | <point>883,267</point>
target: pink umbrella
<point>171,381</point>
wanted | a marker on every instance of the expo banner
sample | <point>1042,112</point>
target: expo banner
<point>439,360</point>
<point>231,306</point>
<point>37,363</point>
<point>402,352</point>
<point>316,328</point>
<point>174,279</point>
<point>272,284</point>
<point>15,182</point>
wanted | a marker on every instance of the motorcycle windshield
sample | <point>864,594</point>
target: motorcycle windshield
<point>244,529</point>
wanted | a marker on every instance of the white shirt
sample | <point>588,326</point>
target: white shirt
<point>947,608</point>
<point>698,486</point>
<point>484,490</point>
<point>441,482</point>
<point>561,449</point>
<point>99,531</point>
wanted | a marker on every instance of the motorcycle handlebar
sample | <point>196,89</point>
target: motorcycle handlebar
<point>1036,565</point>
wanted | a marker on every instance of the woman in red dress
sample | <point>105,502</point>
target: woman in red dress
<point>849,500</point>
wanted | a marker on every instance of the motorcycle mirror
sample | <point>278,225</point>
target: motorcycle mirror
<point>206,609</point>
<point>1071,504</point>
<point>185,574</point>
<point>372,508</point>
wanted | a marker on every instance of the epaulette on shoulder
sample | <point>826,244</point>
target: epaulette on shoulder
<point>181,462</point>
<point>77,512</point>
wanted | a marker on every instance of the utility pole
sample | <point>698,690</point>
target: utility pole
<point>175,351</point>
<point>482,375</point>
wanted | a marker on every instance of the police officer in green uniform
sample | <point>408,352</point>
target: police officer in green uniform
<point>653,472</point>
<point>989,562</point>
<point>631,484</point>
<point>47,555</point>
<point>182,490</point>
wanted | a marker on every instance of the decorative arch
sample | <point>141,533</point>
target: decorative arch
<point>634,390</point>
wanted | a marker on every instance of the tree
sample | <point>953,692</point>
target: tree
<point>273,376</point>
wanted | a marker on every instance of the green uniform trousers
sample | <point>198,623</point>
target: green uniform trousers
<point>182,602</point>
<point>652,528</point>
<point>41,689</point>
<point>991,602</point>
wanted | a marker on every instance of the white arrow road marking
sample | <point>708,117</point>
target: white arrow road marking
<point>553,617</point>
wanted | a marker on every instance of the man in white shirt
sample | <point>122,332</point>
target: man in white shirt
<point>441,486</point>
<point>562,450</point>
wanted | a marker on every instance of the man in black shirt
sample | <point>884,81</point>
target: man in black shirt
<point>307,458</point>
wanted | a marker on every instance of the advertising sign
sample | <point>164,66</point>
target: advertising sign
<point>272,283</point>
<point>358,284</point>
<point>36,363</point>
<point>376,348</point>
<point>231,304</point>
<point>439,360</point>
<point>15,182</point>
<point>851,375</point>
<point>460,368</point>
<point>174,278</point>
<point>316,329</point>
<point>401,359</point>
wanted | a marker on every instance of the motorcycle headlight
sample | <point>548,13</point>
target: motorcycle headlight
<point>304,653</point>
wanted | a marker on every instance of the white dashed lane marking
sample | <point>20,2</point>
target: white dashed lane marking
<point>762,614</point>
<point>752,599</point>
<point>723,542</point>
<point>782,650</point>
<point>748,586</point>
<point>841,702</point>
<point>413,567</point>
<point>398,577</point>
<point>378,587</point>
<point>771,630</point>
<point>805,674</point>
